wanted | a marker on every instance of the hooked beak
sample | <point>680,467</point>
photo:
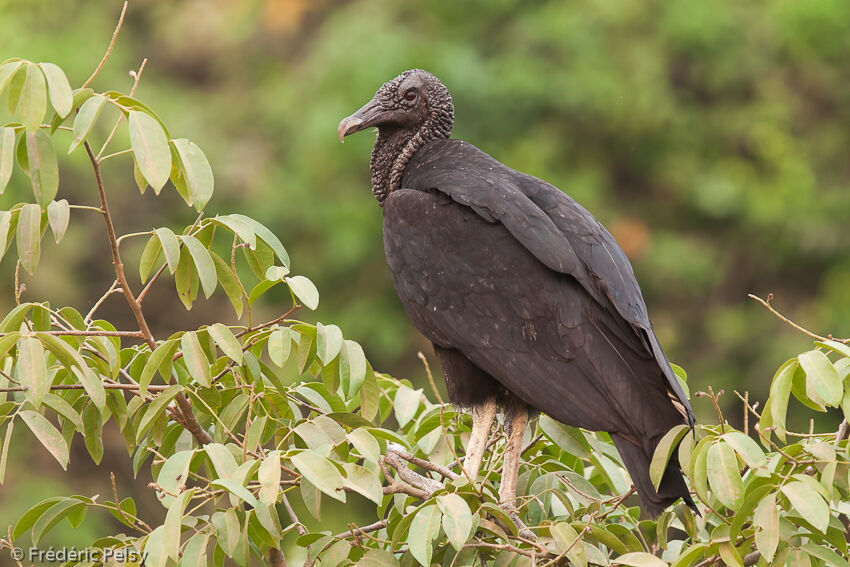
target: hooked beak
<point>367,116</point>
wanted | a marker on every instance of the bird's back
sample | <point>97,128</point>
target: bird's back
<point>523,281</point>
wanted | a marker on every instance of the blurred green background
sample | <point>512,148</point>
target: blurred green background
<point>711,138</point>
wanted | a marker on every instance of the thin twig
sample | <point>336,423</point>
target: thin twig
<point>364,530</point>
<point>107,386</point>
<point>433,467</point>
<point>292,516</point>
<point>161,269</point>
<point>78,333</point>
<point>430,376</point>
<point>112,289</point>
<point>137,75</point>
<point>190,420</point>
<point>766,303</point>
<point>108,49</point>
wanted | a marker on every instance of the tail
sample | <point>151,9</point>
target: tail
<point>672,485</point>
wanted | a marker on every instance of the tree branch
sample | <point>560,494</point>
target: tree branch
<point>108,49</point>
<point>766,303</point>
<point>191,421</point>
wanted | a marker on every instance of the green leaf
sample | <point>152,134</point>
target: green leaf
<point>171,528</point>
<point>197,172</point>
<point>321,473</point>
<point>195,551</point>
<point>378,558</point>
<point>203,263</point>
<point>304,290</point>
<point>457,519</point>
<point>766,525</point>
<point>664,451</point>
<point>227,530</point>
<point>328,342</point>
<point>780,393</point>
<point>7,72</point>
<point>236,489</point>
<point>162,353</point>
<point>64,409</point>
<point>822,376</point>
<point>723,475</point>
<point>29,236</point>
<point>86,117</point>
<point>32,370</point>
<point>156,408</point>
<point>566,537</point>
<point>423,530</point>
<point>355,363</point>
<point>808,503</point>
<point>748,449</point>
<point>92,432</point>
<point>150,146</point>
<point>170,247</point>
<point>567,438</point>
<point>279,345</point>
<point>240,227</point>
<point>229,282</point>
<point>43,167</point>
<point>266,236</point>
<point>33,514</point>
<point>226,341</point>
<point>7,156</point>
<point>47,434</point>
<point>58,215</point>
<point>186,279</point>
<point>363,481</point>
<point>406,404</point>
<point>92,385</point>
<point>32,104</point>
<point>196,360</point>
<point>59,89</point>
<point>365,443</point>
<point>269,476</point>
<point>639,559</point>
<point>150,256</point>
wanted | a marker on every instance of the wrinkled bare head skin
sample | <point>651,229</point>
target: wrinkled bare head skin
<point>409,111</point>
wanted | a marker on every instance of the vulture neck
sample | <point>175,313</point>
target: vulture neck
<point>393,149</point>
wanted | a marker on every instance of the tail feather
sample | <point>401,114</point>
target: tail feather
<point>672,485</point>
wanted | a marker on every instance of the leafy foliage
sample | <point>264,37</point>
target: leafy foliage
<point>240,425</point>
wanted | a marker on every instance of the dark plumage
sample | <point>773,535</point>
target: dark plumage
<point>529,301</point>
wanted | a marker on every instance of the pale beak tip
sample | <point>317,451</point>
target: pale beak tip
<point>346,126</point>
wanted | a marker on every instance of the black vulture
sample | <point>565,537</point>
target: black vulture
<point>528,300</point>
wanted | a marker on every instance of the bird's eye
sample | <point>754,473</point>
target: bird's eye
<point>410,95</point>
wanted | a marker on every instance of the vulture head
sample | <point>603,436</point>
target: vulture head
<point>409,111</point>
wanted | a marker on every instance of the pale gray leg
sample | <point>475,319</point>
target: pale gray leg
<point>482,422</point>
<point>510,467</point>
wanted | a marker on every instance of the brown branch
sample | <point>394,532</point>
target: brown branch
<point>112,289</point>
<point>76,333</point>
<point>267,324</point>
<point>433,467</point>
<point>116,386</point>
<point>292,516</point>
<point>191,421</point>
<point>783,318</point>
<point>276,558</point>
<point>108,49</point>
<point>137,75</point>
<point>364,530</point>
<point>395,487</point>
<point>423,483</point>
<point>843,431</point>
